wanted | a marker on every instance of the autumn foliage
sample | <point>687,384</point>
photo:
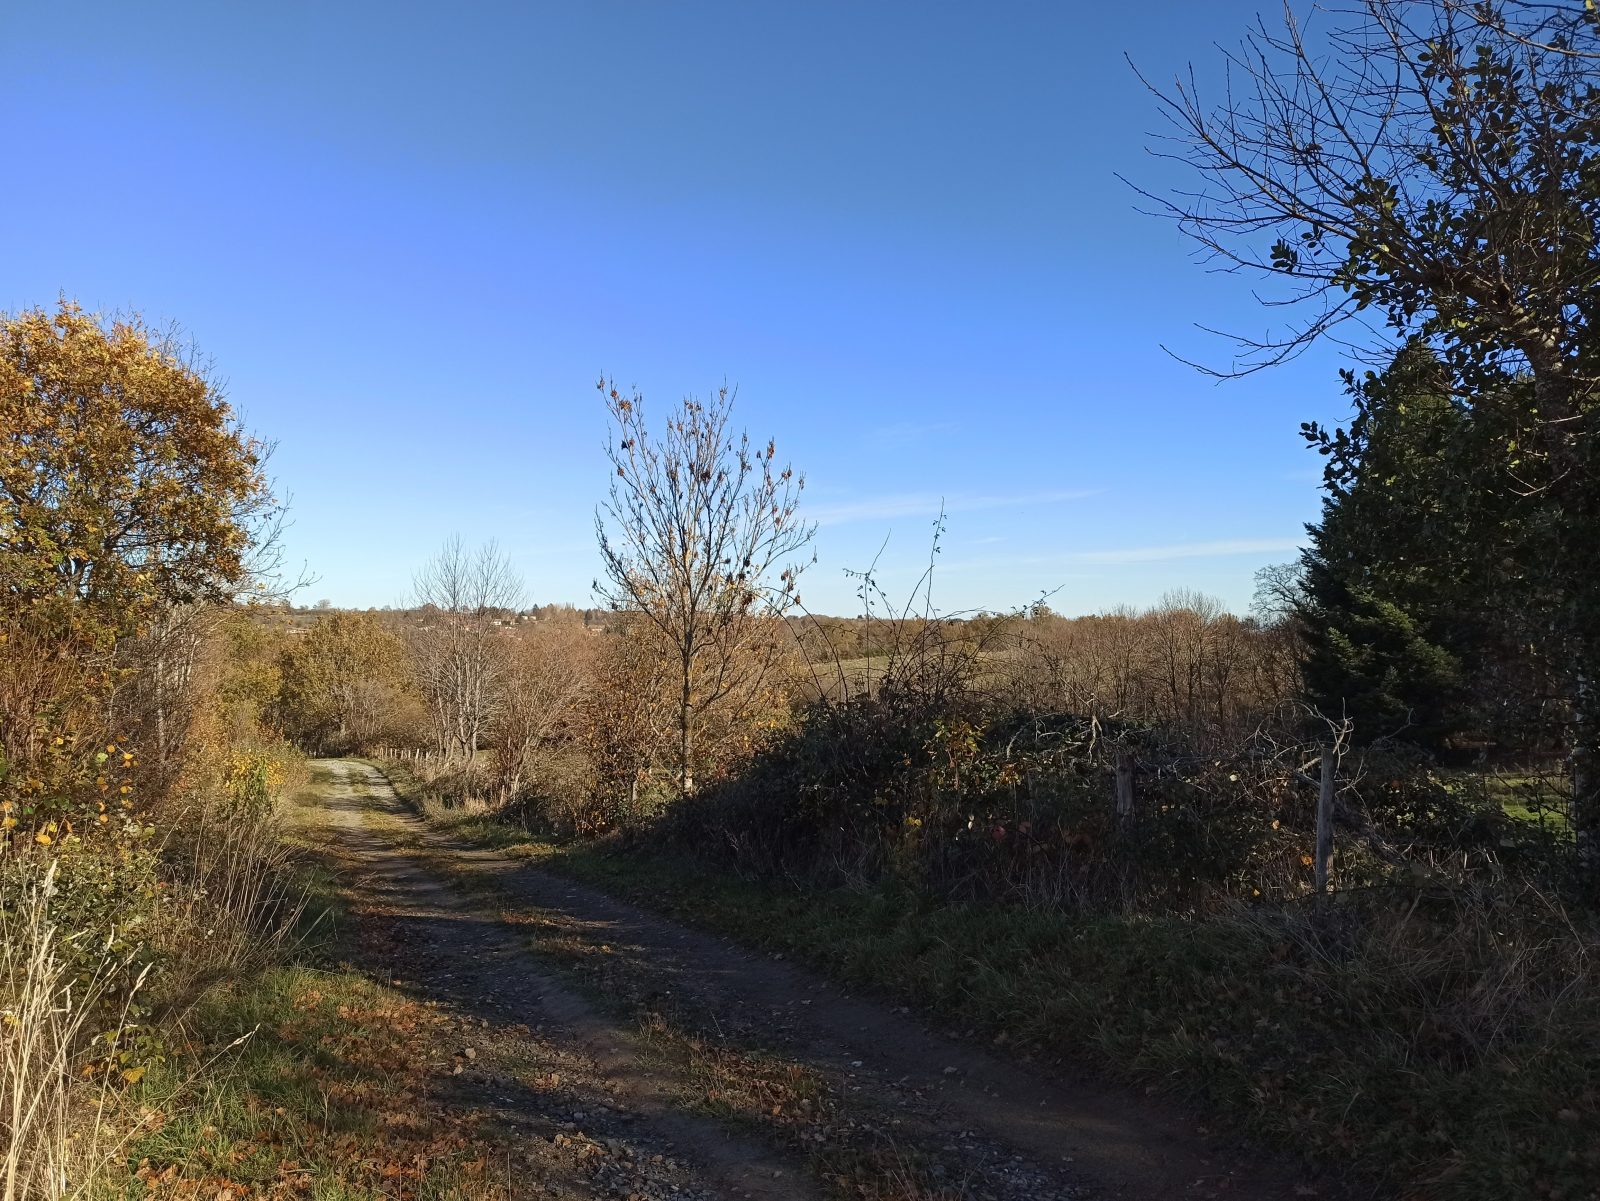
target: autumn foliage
<point>125,480</point>
<point>127,490</point>
<point>138,857</point>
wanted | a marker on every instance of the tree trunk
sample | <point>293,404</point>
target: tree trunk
<point>1124,776</point>
<point>1575,503</point>
<point>686,748</point>
<point>686,731</point>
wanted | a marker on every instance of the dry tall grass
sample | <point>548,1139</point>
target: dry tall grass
<point>52,1121</point>
<point>232,902</point>
<point>69,982</point>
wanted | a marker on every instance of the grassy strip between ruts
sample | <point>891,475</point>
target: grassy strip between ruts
<point>1416,1048</point>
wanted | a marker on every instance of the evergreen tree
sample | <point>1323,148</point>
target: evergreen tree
<point>1382,641</point>
<point>1418,620</point>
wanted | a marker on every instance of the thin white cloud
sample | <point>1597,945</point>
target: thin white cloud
<point>913,431</point>
<point>1187,550</point>
<point>882,508</point>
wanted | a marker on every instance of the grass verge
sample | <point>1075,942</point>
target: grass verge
<point>306,1078</point>
<point>317,1088</point>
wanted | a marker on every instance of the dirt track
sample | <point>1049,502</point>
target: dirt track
<point>681,1057</point>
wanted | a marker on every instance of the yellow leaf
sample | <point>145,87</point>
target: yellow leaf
<point>133,1075</point>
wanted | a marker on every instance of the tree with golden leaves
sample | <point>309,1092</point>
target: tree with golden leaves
<point>127,488</point>
<point>344,683</point>
<point>125,480</point>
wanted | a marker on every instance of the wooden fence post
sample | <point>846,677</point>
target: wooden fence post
<point>1325,791</point>
<point>1124,788</point>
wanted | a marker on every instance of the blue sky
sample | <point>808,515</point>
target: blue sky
<point>412,237</point>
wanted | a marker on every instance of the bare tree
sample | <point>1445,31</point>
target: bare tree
<point>547,673</point>
<point>155,695</point>
<point>1180,628</point>
<point>464,593</point>
<point>701,536</point>
<point>1186,663</point>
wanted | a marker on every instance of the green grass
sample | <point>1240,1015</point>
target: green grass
<point>473,826</point>
<point>310,1080</point>
<point>1543,800</point>
<point>1532,798</point>
<point>1449,1050</point>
